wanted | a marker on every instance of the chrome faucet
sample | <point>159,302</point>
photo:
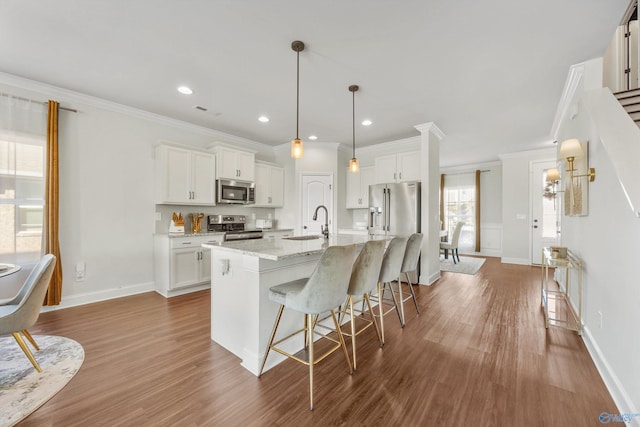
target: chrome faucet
<point>324,229</point>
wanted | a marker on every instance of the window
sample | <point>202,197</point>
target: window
<point>460,205</point>
<point>22,162</point>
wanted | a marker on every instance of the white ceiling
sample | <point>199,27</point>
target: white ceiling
<point>488,73</point>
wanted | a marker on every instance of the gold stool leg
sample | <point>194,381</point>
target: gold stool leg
<point>375,325</point>
<point>341,338</point>
<point>26,351</point>
<point>273,335</point>
<point>311,324</point>
<point>30,338</point>
<point>413,294</point>
<point>353,332</point>
<point>381,311</point>
<point>401,300</point>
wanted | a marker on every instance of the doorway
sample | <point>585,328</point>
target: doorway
<point>316,190</point>
<point>545,208</point>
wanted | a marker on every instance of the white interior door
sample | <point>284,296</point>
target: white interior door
<point>545,223</point>
<point>317,189</point>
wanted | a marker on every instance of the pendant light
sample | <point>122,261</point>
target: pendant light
<point>297,148</point>
<point>354,167</point>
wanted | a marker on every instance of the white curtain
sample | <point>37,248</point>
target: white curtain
<point>23,128</point>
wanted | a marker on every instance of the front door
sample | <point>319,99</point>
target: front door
<point>544,212</point>
<point>317,190</point>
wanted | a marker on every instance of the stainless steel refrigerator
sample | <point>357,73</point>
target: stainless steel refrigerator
<point>394,209</point>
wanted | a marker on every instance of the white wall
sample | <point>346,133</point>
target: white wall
<point>608,242</point>
<point>516,227</point>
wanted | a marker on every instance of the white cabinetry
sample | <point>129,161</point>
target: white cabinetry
<point>234,164</point>
<point>277,233</point>
<point>184,176</point>
<point>358,188</point>
<point>398,167</point>
<point>269,185</point>
<point>182,262</point>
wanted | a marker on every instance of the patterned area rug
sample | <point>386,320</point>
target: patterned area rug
<point>467,265</point>
<point>22,388</point>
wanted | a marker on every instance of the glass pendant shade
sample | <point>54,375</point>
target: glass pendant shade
<point>297,148</point>
<point>354,166</point>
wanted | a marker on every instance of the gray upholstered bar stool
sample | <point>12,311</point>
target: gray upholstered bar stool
<point>410,264</point>
<point>390,271</point>
<point>322,292</point>
<point>364,278</point>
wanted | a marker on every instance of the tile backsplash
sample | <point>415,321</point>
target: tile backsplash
<point>166,211</point>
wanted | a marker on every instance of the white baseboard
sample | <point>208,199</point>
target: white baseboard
<point>520,261</point>
<point>107,294</point>
<point>429,280</point>
<point>616,389</point>
<point>188,290</point>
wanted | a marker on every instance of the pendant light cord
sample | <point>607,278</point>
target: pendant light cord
<point>297,91</point>
<point>354,123</point>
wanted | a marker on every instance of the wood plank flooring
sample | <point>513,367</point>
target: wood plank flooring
<point>477,355</point>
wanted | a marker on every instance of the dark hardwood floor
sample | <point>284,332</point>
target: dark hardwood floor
<point>477,355</point>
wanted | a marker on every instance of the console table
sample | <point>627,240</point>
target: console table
<point>558,310</point>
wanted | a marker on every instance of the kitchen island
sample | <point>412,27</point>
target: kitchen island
<point>242,272</point>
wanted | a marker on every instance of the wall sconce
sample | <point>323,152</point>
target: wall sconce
<point>571,149</point>
<point>552,179</point>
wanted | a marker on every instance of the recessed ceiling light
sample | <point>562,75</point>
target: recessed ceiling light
<point>263,119</point>
<point>366,122</point>
<point>313,137</point>
<point>185,90</point>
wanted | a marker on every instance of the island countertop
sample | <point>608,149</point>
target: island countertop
<point>276,249</point>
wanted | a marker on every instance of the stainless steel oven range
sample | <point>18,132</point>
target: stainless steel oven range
<point>233,227</point>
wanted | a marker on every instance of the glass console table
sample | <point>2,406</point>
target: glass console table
<point>558,310</point>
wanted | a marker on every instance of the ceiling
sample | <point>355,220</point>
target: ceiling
<point>489,73</point>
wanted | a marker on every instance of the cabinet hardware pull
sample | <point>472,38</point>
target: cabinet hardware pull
<point>186,243</point>
<point>400,175</point>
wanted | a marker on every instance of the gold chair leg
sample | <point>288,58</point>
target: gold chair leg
<point>353,332</point>
<point>26,351</point>
<point>375,325</point>
<point>30,338</point>
<point>341,338</point>
<point>273,335</point>
<point>401,300</point>
<point>413,294</point>
<point>310,331</point>
<point>381,312</point>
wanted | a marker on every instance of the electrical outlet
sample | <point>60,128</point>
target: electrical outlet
<point>80,271</point>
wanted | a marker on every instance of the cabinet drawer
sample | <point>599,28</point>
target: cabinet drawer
<point>194,241</point>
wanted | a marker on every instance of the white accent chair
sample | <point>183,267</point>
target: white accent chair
<point>452,245</point>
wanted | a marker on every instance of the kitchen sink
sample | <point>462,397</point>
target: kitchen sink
<point>303,237</point>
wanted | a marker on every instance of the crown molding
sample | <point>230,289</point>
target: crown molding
<point>551,153</point>
<point>576,73</point>
<point>66,95</point>
<point>406,144</point>
<point>430,127</point>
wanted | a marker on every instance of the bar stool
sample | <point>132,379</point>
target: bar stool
<point>322,292</point>
<point>364,278</point>
<point>409,264</point>
<point>390,271</point>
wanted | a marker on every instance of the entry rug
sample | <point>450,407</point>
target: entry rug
<point>467,265</point>
<point>22,388</point>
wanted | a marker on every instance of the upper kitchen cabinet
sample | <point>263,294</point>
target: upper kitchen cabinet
<point>269,185</point>
<point>358,188</point>
<point>185,177</point>
<point>234,164</point>
<point>398,167</point>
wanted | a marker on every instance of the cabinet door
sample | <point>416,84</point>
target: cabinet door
<point>227,163</point>
<point>203,170</point>
<point>184,267</point>
<point>246,166</point>
<point>409,166</point>
<point>277,187</point>
<point>263,185</point>
<point>205,265</point>
<point>174,172</point>
<point>386,169</point>
<point>354,194</point>
<point>367,178</point>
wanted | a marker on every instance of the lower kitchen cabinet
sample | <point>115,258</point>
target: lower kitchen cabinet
<point>181,263</point>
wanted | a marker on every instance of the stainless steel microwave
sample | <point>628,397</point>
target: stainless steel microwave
<point>235,192</point>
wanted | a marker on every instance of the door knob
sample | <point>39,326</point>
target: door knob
<point>305,227</point>
<point>535,226</point>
